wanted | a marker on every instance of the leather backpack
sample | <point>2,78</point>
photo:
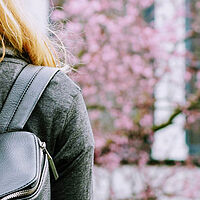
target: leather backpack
<point>24,159</point>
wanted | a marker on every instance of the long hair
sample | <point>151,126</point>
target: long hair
<point>18,30</point>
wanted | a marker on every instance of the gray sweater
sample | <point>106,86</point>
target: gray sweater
<point>60,119</point>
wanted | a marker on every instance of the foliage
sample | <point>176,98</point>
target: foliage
<point>120,56</point>
<point>121,59</point>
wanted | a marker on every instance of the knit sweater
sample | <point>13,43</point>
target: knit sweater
<point>61,120</point>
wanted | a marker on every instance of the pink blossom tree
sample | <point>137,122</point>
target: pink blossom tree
<point>118,53</point>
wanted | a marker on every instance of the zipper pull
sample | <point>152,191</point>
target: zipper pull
<point>50,159</point>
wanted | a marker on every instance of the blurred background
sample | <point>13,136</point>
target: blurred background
<point>138,64</point>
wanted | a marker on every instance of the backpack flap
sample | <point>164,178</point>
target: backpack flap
<point>22,162</point>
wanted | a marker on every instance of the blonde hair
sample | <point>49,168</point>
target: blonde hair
<point>19,30</point>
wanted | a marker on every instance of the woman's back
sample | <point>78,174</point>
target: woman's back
<point>61,120</point>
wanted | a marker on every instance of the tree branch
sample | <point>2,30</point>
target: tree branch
<point>96,107</point>
<point>195,104</point>
<point>169,121</point>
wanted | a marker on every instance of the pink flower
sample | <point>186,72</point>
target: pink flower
<point>110,160</point>
<point>58,15</point>
<point>146,120</point>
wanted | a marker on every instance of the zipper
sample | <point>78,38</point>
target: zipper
<point>50,159</point>
<point>20,193</point>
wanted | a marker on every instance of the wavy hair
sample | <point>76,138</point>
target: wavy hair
<point>17,29</point>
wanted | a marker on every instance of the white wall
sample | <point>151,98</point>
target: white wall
<point>168,183</point>
<point>170,142</point>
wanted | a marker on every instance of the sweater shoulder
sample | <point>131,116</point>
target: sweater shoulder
<point>57,96</point>
<point>60,91</point>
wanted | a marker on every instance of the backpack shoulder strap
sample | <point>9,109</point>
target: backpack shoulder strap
<point>23,96</point>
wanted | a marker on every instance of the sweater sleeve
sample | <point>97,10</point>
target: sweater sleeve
<point>74,157</point>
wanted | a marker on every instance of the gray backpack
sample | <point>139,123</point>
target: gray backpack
<point>24,166</point>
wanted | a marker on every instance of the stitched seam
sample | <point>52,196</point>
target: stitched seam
<point>23,94</point>
<point>65,122</point>
<point>41,94</point>
<point>13,84</point>
<point>70,111</point>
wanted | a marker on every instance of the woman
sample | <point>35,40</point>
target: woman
<point>60,117</point>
